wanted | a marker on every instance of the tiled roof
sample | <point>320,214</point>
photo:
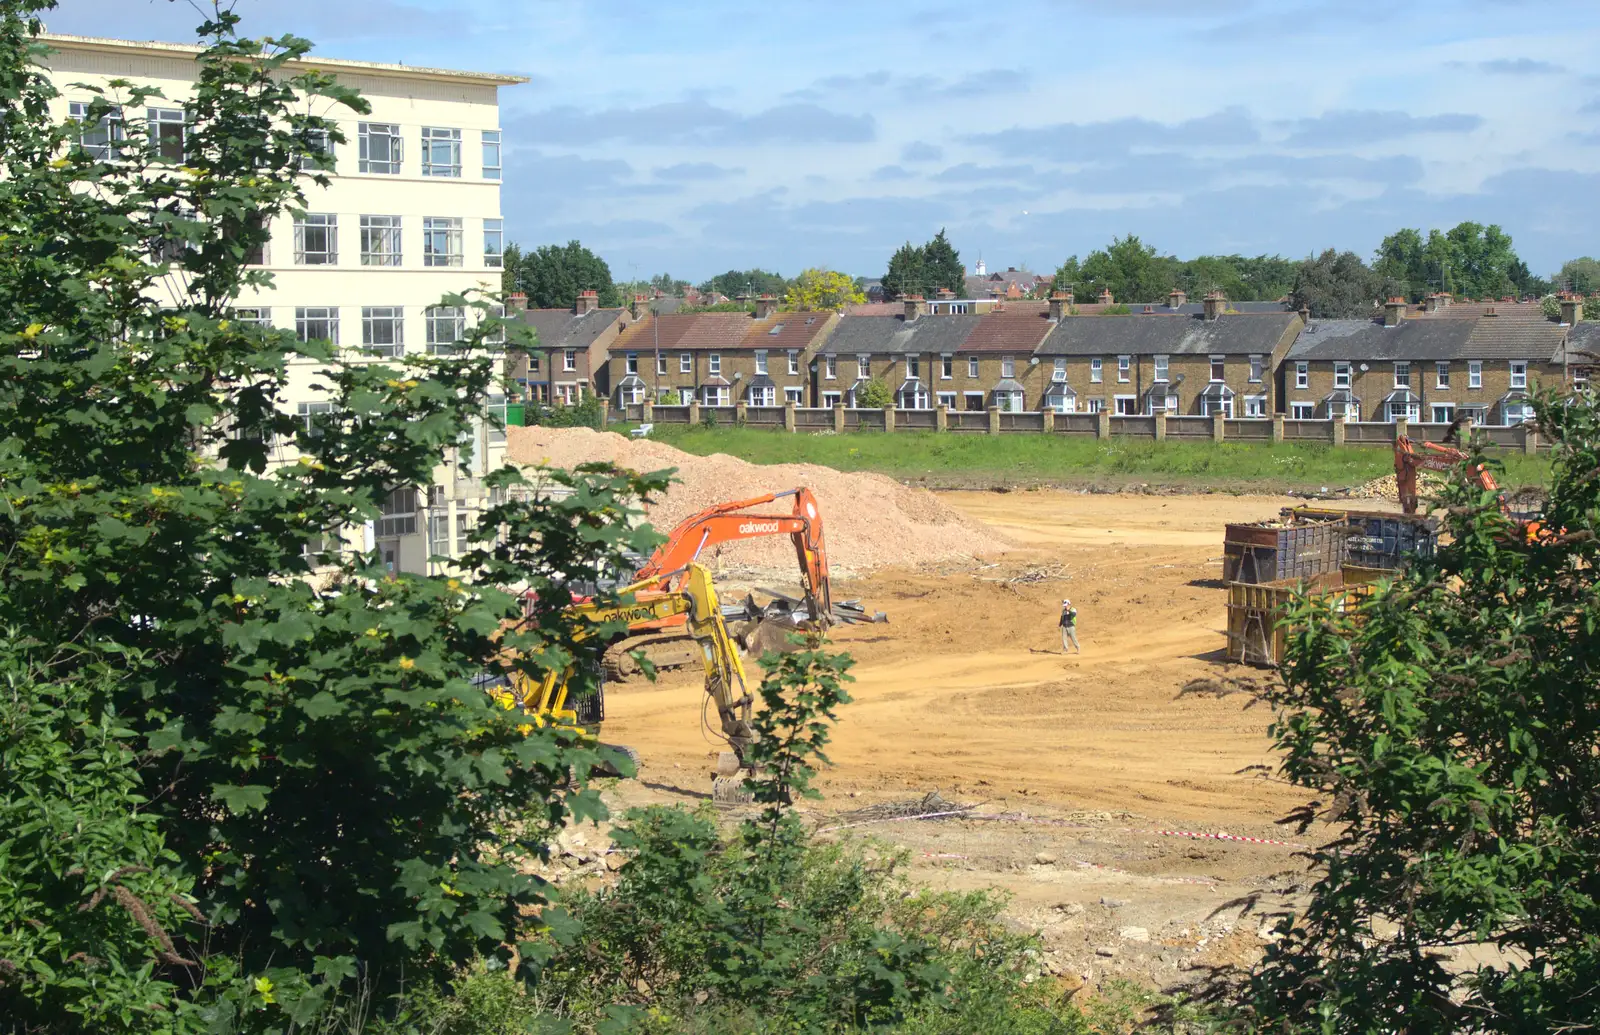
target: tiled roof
<point>564,329</point>
<point>786,330</point>
<point>1583,342</point>
<point>1233,334</point>
<point>1007,332</point>
<point>875,309</point>
<point>864,335</point>
<point>1473,310</point>
<point>686,331</point>
<point>1370,339</point>
<point>1514,337</point>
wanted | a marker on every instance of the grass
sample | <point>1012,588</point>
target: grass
<point>944,460</point>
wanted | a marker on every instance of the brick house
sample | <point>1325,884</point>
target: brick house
<point>1194,364</point>
<point>997,363</point>
<point>718,359</point>
<point>1431,364</point>
<point>570,361</point>
<point>911,352</point>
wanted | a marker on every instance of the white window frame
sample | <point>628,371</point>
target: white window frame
<point>397,514</point>
<point>441,152</point>
<point>794,362</point>
<point>1132,408</point>
<point>1160,365</point>
<point>1302,374</point>
<point>1008,366</point>
<point>863,367</point>
<point>1443,413</point>
<point>103,141</point>
<point>493,157</point>
<point>1519,373</point>
<point>1219,370</point>
<point>830,367</point>
<point>1096,370</point>
<point>914,368</point>
<point>972,366</point>
<point>441,241</point>
<point>1124,369</point>
<point>307,317</point>
<point>1058,370</point>
<point>661,363</point>
<point>494,244</point>
<point>1341,375</point>
<point>766,395</point>
<point>947,366</point>
<point>1255,406</point>
<point>393,148</point>
<point>1257,368</point>
<point>761,361</point>
<point>1474,373</point>
<point>383,322</point>
<point>1302,411</point>
<point>832,399</point>
<point>306,227</point>
<point>630,363</point>
<point>1402,374</point>
<point>947,400</point>
<point>569,360</point>
<point>158,121</point>
<point>445,325</point>
<point>1441,374</point>
<point>381,241</point>
<point>714,363</point>
<point>685,363</point>
<point>794,394</point>
<point>1094,405</point>
<point>307,412</point>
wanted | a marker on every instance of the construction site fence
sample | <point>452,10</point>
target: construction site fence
<point>1216,428</point>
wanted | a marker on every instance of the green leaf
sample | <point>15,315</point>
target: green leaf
<point>240,799</point>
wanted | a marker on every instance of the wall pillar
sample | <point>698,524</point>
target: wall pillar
<point>941,417</point>
<point>605,413</point>
<point>694,411</point>
<point>1530,438</point>
<point>994,420</point>
<point>1047,418</point>
<point>838,417</point>
<point>1277,427</point>
<point>1466,433</point>
<point>1160,418</point>
<point>1218,428</point>
<point>789,423</point>
<point>888,419</point>
<point>1102,426</point>
<point>1338,430</point>
<point>647,412</point>
<point>741,413</point>
<point>1402,428</point>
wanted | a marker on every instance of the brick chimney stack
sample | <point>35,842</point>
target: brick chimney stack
<point>1060,306</point>
<point>1105,296</point>
<point>1177,299</point>
<point>1215,303</point>
<point>1305,315</point>
<point>766,305</point>
<point>1571,310</point>
<point>516,302</point>
<point>944,294</point>
<point>1394,311</point>
<point>641,305</point>
<point>916,306</point>
<point>588,301</point>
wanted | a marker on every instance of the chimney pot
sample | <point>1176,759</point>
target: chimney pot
<point>1105,296</point>
<point>516,302</point>
<point>1060,306</point>
<point>916,306</point>
<point>766,305</point>
<point>1215,302</point>
<point>1177,299</point>
<point>588,301</point>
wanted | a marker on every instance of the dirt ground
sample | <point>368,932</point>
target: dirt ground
<point>1091,765</point>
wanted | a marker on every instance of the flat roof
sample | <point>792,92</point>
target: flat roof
<point>155,47</point>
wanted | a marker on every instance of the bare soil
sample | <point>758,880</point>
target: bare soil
<point>1094,764</point>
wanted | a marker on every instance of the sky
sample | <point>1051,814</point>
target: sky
<point>693,139</point>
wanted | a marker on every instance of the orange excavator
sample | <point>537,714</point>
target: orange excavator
<point>1409,461</point>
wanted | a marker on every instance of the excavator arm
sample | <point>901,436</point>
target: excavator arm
<point>1409,460</point>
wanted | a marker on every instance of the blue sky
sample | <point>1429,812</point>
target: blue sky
<point>692,139</point>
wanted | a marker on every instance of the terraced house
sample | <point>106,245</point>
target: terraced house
<point>718,359</point>
<point>912,353</point>
<point>1169,360</point>
<point>1481,361</point>
<point>574,345</point>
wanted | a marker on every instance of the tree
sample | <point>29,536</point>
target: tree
<point>1580,276</point>
<point>923,270</point>
<point>553,275</point>
<point>1470,260</point>
<point>1447,729</point>
<point>823,289</point>
<point>1130,269</point>
<point>309,769</point>
<point>1336,286</point>
<point>905,275</point>
<point>874,394</point>
<point>752,282</point>
<point>1068,276</point>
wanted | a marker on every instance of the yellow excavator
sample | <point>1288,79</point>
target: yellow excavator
<point>694,597</point>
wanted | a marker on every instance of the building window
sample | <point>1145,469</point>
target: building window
<point>102,140</point>
<point>1127,405</point>
<point>441,151</point>
<point>380,240</point>
<point>494,243</point>
<point>1302,374</point>
<point>1059,372</point>
<point>255,316</point>
<point>1402,375</point>
<point>167,127</point>
<point>491,154</point>
<point>1255,406</point>
<point>1218,369</point>
<point>630,363</point>
<point>946,367</point>
<point>763,396</point>
<point>1095,405</point>
<point>914,369</point>
<point>398,514</point>
<point>438,535</point>
<point>1096,374</point>
<point>441,241</point>
<point>569,360</point>
<point>316,239</point>
<point>1256,365</point>
<point>1008,366</point>
<point>794,395</point>
<point>1124,369</point>
<point>308,412</point>
<point>317,323</point>
<point>495,337</point>
<point>320,144</point>
<point>1160,374</point>
<point>972,366</point>
<point>863,367</point>
<point>714,363</point>
<point>685,363</point>
<point>446,325</point>
<point>1444,413</point>
<point>383,330</point>
<point>1341,375</point>
<point>761,361</point>
<point>1302,410</point>
<point>1441,375</point>
<point>794,362</point>
<point>1519,373</point>
<point>380,148</point>
<point>1475,373</point>
<point>830,399</point>
<point>830,367</point>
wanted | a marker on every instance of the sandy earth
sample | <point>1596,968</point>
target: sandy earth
<point>965,692</point>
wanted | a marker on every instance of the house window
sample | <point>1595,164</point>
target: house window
<point>101,141</point>
<point>1302,410</point>
<point>1255,406</point>
<point>446,325</point>
<point>441,241</point>
<point>308,412</point>
<point>1255,370</point>
<point>1095,373</point>
<point>830,399</point>
<point>441,151</point>
<point>1475,373</point>
<point>320,143</point>
<point>1407,409</point>
<point>1441,375</point>
<point>380,240</point>
<point>761,361</point>
<point>1519,373</point>
<point>1302,374</point>
<point>685,363</point>
<point>1218,368</point>
<point>383,330</point>
<point>398,514</point>
<point>167,128</point>
<point>316,239</point>
<point>762,396</point>
<point>317,323</point>
<point>946,367</point>
<point>1161,368</point>
<point>1008,366</point>
<point>1444,413</point>
<point>569,360</point>
<point>256,316</point>
<point>974,400</point>
<point>947,400</point>
<point>495,408</point>
<point>1124,367</point>
<point>494,243</point>
<point>1058,372</point>
<point>863,367</point>
<point>1341,375</point>
<point>794,361</point>
<point>1127,405</point>
<point>380,148</point>
<point>1402,375</point>
<point>795,395</point>
<point>491,154</point>
<point>914,369</point>
<point>972,366</point>
<point>715,395</point>
<point>1094,406</point>
<point>631,362</point>
<point>661,363</point>
<point>830,367</point>
<point>714,363</point>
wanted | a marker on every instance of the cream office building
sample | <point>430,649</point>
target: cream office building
<point>412,214</point>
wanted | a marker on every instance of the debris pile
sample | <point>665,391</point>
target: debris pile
<point>931,805</point>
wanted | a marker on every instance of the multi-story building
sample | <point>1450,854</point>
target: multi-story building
<point>412,214</point>
<point>574,347</point>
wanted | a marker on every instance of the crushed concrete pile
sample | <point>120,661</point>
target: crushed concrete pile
<point>870,521</point>
<point>1378,489</point>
